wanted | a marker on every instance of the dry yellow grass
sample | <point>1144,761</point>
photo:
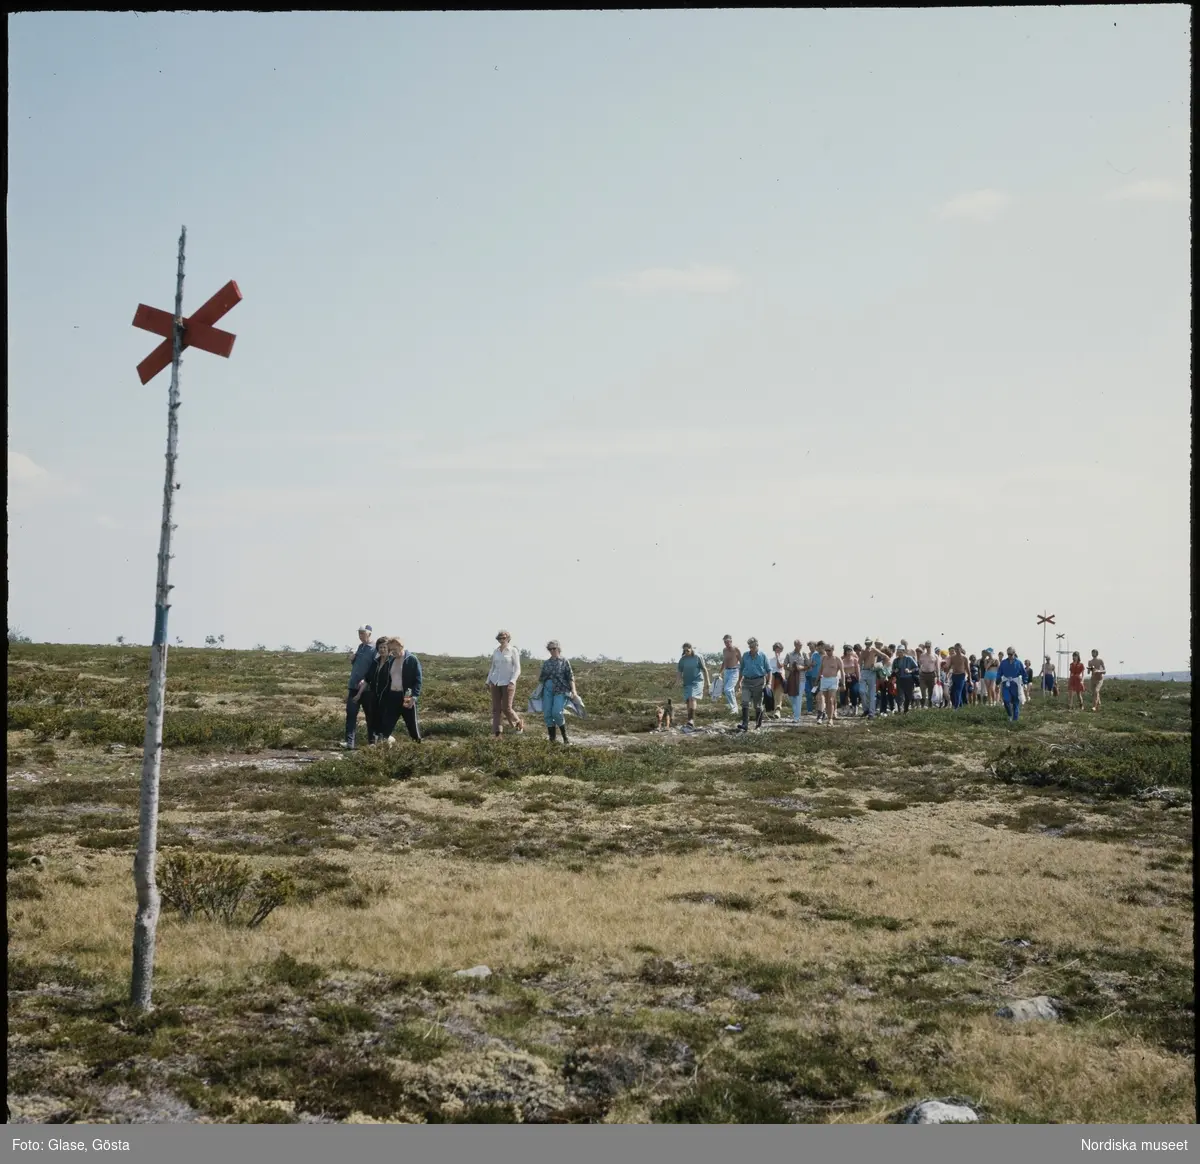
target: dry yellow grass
<point>445,914</point>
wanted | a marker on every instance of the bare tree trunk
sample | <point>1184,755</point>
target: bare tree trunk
<point>145,925</point>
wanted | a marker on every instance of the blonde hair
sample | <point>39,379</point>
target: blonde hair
<point>395,643</point>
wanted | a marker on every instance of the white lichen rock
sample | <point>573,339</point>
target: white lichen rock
<point>941,1111</point>
<point>1025,1009</point>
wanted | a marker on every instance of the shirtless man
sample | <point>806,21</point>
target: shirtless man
<point>960,670</point>
<point>1049,679</point>
<point>850,668</point>
<point>871,654</point>
<point>1095,669</point>
<point>731,660</point>
<point>833,672</point>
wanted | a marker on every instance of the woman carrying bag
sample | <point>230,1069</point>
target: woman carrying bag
<point>557,686</point>
<point>795,664</point>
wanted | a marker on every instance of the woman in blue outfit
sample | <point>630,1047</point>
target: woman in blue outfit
<point>1011,676</point>
<point>694,674</point>
<point>558,685</point>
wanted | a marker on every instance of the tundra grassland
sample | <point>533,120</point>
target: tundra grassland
<point>796,925</point>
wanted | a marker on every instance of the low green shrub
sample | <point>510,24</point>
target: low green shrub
<point>221,889</point>
<point>1113,763</point>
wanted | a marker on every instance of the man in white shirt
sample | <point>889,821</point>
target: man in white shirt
<point>502,683</point>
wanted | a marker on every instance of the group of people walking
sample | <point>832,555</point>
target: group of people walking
<point>869,680</point>
<point>880,680</point>
<point>385,684</point>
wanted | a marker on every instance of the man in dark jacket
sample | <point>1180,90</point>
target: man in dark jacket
<point>360,664</point>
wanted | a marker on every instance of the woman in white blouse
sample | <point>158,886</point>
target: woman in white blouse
<point>502,683</point>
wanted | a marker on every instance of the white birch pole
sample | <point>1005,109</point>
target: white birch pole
<point>145,925</point>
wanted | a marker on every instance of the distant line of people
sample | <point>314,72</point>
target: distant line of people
<point>879,679</point>
<point>872,680</point>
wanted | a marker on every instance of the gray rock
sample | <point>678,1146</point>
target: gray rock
<point>37,861</point>
<point>954,960</point>
<point>743,994</point>
<point>474,972</point>
<point>940,1111</point>
<point>1025,1009</point>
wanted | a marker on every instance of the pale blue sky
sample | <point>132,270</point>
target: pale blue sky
<point>619,327</point>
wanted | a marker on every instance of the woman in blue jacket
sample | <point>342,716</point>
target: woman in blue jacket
<point>1011,675</point>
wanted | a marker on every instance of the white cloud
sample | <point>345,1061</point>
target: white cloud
<point>696,278</point>
<point>1149,190</point>
<point>978,206</point>
<point>22,471</point>
<point>28,481</point>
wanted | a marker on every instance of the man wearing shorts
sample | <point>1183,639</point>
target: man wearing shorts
<point>833,674</point>
<point>754,670</point>
<point>1095,669</point>
<point>1049,678</point>
<point>731,658</point>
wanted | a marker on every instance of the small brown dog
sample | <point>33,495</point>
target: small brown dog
<point>664,717</point>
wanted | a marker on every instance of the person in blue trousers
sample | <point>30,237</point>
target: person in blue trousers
<point>360,663</point>
<point>960,670</point>
<point>558,685</point>
<point>1011,675</point>
<point>812,680</point>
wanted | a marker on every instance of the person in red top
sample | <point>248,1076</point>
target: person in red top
<point>1075,681</point>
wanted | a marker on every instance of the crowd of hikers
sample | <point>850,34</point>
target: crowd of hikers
<point>871,680</point>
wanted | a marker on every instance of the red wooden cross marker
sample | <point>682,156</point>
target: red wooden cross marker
<point>198,330</point>
<point>1043,618</point>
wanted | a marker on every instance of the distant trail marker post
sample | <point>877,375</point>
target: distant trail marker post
<point>196,331</point>
<point>1060,652</point>
<point>1043,621</point>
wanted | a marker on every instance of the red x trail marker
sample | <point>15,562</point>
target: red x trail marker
<point>198,330</point>
<point>1044,618</point>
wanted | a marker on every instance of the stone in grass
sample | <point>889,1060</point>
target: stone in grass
<point>474,972</point>
<point>940,1111</point>
<point>1024,1009</point>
